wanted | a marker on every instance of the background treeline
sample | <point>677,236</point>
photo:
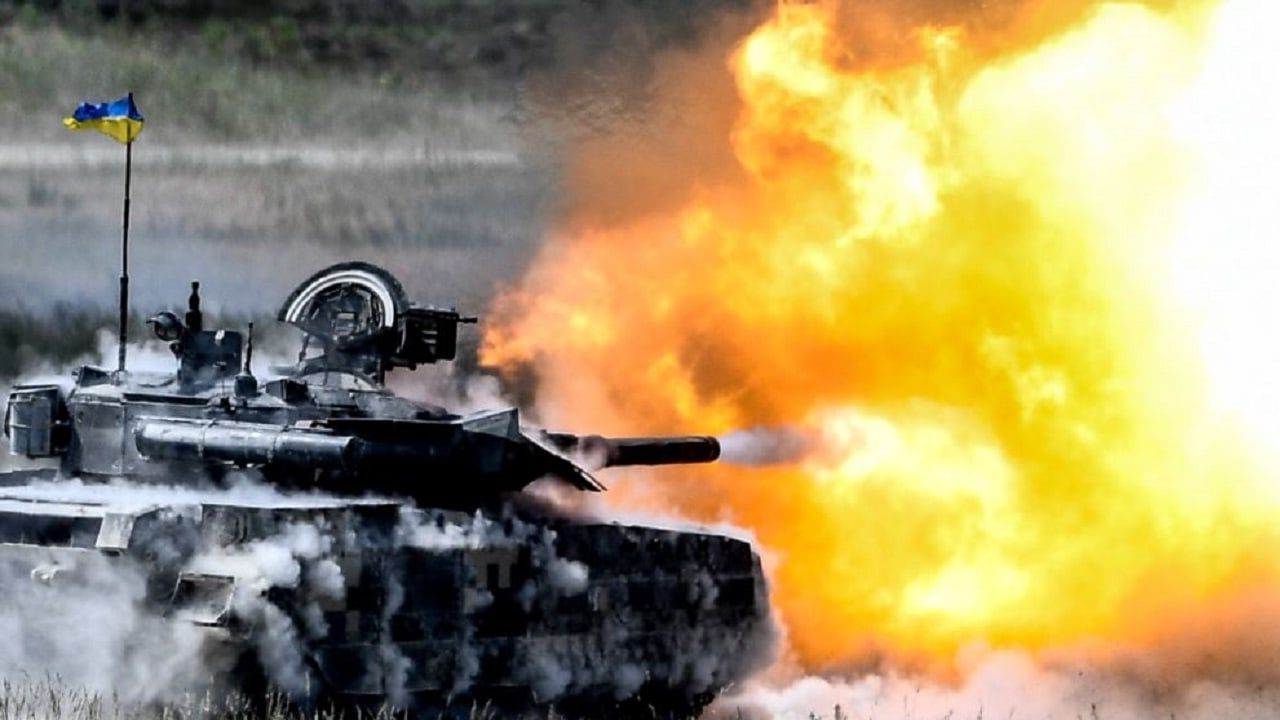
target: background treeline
<point>29,339</point>
<point>450,36</point>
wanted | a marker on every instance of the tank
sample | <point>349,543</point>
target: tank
<point>325,537</point>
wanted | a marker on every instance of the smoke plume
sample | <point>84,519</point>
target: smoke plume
<point>84,617</point>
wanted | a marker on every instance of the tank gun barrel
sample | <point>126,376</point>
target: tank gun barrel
<point>462,459</point>
<point>246,443</point>
<point>431,460</point>
<point>627,451</point>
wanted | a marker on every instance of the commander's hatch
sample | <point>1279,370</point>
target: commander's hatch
<point>356,320</point>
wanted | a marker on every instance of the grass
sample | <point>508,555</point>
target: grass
<point>250,179</point>
<point>51,699</point>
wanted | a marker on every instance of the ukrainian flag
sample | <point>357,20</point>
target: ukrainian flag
<point>120,119</point>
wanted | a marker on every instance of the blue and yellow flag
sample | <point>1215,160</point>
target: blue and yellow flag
<point>120,119</point>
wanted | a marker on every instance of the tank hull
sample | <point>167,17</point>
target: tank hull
<point>375,601</point>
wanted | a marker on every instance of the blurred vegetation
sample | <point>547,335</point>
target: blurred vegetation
<point>67,333</point>
<point>450,36</point>
<point>218,94</point>
<point>240,69</point>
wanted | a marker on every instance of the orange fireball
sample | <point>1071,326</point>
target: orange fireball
<point>990,281</point>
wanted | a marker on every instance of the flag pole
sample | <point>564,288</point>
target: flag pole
<point>124,254</point>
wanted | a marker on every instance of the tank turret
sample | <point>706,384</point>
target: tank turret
<point>325,423</point>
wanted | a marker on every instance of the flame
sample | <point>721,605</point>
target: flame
<point>1022,290</point>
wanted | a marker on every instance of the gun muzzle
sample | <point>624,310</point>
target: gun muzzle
<point>620,452</point>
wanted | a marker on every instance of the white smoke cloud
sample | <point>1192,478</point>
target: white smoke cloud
<point>1000,685</point>
<point>86,617</point>
<point>761,446</point>
<point>443,384</point>
<point>83,617</point>
<point>302,559</point>
<point>118,494</point>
